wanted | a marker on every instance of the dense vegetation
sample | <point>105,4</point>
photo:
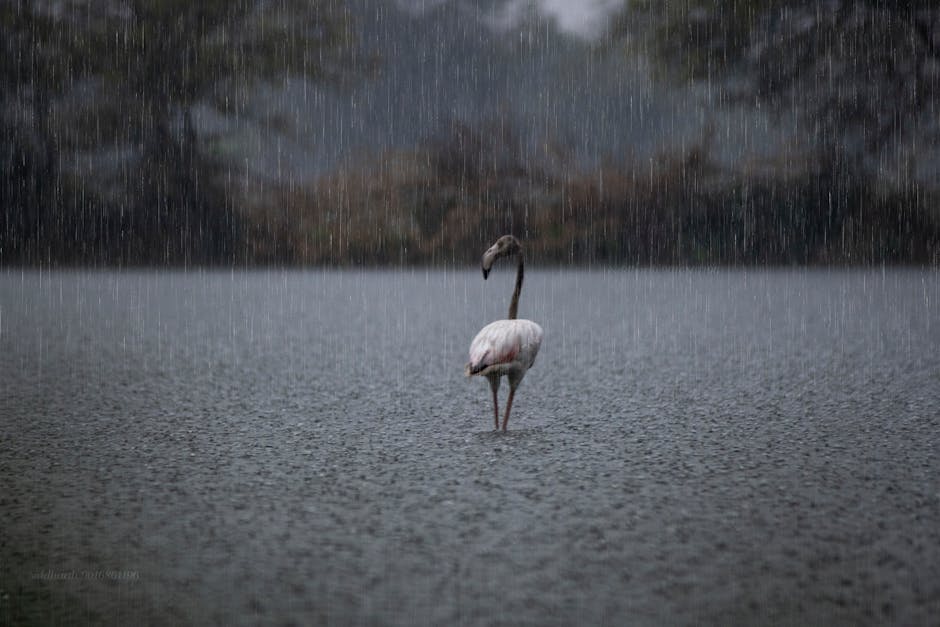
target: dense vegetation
<point>107,81</point>
<point>100,162</point>
<point>444,202</point>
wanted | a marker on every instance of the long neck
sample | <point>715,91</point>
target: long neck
<point>514,303</point>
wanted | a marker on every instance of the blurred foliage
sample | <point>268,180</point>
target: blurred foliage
<point>444,203</point>
<point>123,76</point>
<point>112,84</point>
<point>863,75</point>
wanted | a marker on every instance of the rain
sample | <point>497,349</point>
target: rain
<point>251,371</point>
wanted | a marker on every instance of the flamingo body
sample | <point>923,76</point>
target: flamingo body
<point>505,347</point>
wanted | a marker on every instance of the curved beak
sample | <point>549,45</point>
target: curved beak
<point>488,258</point>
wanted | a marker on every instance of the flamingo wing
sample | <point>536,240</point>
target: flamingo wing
<point>505,343</point>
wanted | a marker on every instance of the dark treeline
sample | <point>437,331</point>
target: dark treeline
<point>102,164</point>
<point>100,159</point>
<point>442,203</point>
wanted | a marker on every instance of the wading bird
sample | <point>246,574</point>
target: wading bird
<point>505,347</point>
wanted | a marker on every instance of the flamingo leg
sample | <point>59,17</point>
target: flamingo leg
<point>495,409</point>
<point>512,392</point>
<point>494,385</point>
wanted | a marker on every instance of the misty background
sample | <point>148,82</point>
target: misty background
<point>373,132</point>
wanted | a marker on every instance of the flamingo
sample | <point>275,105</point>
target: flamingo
<point>505,347</point>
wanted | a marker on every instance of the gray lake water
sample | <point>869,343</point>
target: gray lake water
<point>717,447</point>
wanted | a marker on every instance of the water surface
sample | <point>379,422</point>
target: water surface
<point>690,446</point>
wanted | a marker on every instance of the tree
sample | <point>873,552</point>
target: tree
<point>33,71</point>
<point>148,63</point>
<point>862,76</point>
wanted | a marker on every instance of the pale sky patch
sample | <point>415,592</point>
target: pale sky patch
<point>586,19</point>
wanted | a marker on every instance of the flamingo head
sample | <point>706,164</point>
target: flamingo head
<point>504,247</point>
